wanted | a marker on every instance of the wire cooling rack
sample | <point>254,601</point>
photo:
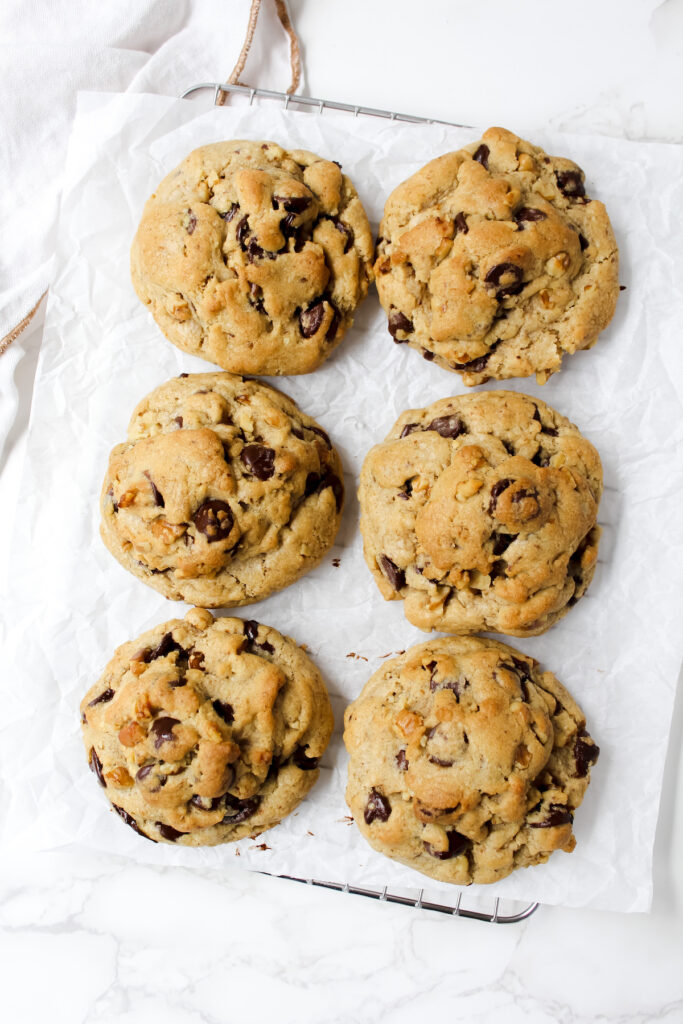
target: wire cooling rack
<point>494,911</point>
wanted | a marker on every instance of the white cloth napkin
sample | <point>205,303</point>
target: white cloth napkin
<point>49,49</point>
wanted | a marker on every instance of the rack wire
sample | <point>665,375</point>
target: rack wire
<point>503,911</point>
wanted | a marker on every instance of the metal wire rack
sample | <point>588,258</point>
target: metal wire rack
<point>503,911</point>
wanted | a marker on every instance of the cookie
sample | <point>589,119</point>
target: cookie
<point>223,493</point>
<point>493,262</point>
<point>253,257</point>
<point>203,730</point>
<point>467,761</point>
<point>479,512</point>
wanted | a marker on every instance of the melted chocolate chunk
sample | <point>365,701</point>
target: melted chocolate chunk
<point>256,297</point>
<point>196,659</point>
<point>259,460</point>
<point>399,322</point>
<point>396,576</point>
<point>162,730</point>
<point>103,698</point>
<point>251,628</point>
<point>447,684</point>
<point>402,761</point>
<point>496,491</point>
<point>316,483</point>
<point>457,844</point>
<point>346,231</point>
<point>239,810</point>
<point>409,429</point>
<point>303,761</point>
<point>168,832</point>
<point>495,275</point>
<point>520,495</point>
<point>311,319</point>
<point>158,496</point>
<point>481,155</point>
<point>131,822</point>
<point>440,762</point>
<point>229,214</point>
<point>429,356</point>
<point>541,459</point>
<point>96,767</point>
<point>241,231</point>
<point>143,772</point>
<point>585,753</point>
<point>558,815</point>
<point>214,519</point>
<point>292,204</point>
<point>461,224</point>
<point>377,808</point>
<point>165,646</point>
<point>502,541</point>
<point>583,242</point>
<point>224,710</point>
<point>570,184</point>
<point>529,213</point>
<point>321,433</point>
<point>474,365</point>
<point>448,426</point>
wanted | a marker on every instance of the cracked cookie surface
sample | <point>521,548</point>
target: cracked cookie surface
<point>466,760</point>
<point>480,512</point>
<point>203,730</point>
<point>223,493</point>
<point>493,262</point>
<point>254,257</point>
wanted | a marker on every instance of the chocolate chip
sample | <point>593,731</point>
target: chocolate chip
<point>143,772</point>
<point>399,322</point>
<point>409,429</point>
<point>162,729</point>
<point>205,803</point>
<point>583,242</point>
<point>316,483</point>
<point>474,365</point>
<point>242,230</point>
<point>259,460</point>
<point>331,333</point>
<point>429,356</point>
<point>495,275</point>
<point>529,213</point>
<point>407,491</point>
<point>251,628</point>
<point>165,646</point>
<point>229,214</point>
<point>447,684</point>
<point>191,223</point>
<point>502,541</point>
<point>570,184</point>
<point>346,231</point>
<point>558,815</point>
<point>178,420</point>
<point>196,659</point>
<point>214,519</point>
<point>496,491</point>
<point>158,496</point>
<point>255,252</point>
<point>298,433</point>
<point>96,767</point>
<point>103,698</point>
<point>585,753</point>
<point>396,576</point>
<point>377,808</point>
<point>481,155</point>
<point>461,224</point>
<point>541,459</point>
<point>448,426</point>
<point>441,763</point>
<point>302,761</point>
<point>457,844</point>
<point>130,821</point>
<point>402,761</point>
<point>292,204</point>
<point>311,319</point>
<point>256,297</point>
<point>224,710</point>
<point>321,433</point>
<point>184,375</point>
<point>242,809</point>
<point>168,832</point>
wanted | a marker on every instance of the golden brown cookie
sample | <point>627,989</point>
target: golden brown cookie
<point>467,761</point>
<point>204,731</point>
<point>493,262</point>
<point>479,512</point>
<point>254,257</point>
<point>223,493</point>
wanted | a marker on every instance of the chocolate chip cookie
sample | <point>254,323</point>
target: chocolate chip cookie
<point>203,730</point>
<point>493,262</point>
<point>479,512</point>
<point>254,257</point>
<point>467,761</point>
<point>223,493</point>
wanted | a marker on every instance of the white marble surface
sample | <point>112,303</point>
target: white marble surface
<point>92,938</point>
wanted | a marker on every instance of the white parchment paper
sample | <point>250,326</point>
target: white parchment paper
<point>618,651</point>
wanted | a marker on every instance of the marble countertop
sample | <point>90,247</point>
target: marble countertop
<point>93,938</point>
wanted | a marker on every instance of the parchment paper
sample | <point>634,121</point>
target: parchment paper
<point>618,650</point>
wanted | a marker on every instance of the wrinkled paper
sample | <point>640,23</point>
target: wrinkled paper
<point>617,651</point>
